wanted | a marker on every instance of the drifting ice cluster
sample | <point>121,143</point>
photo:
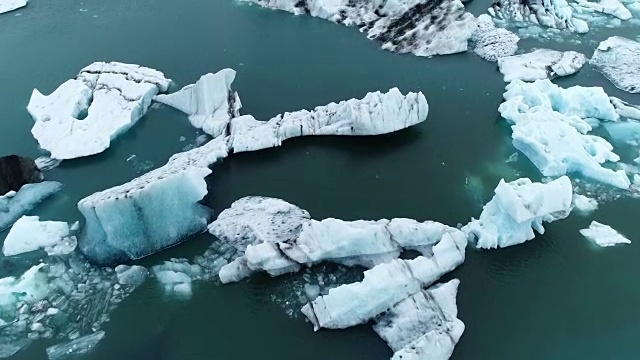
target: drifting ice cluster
<point>421,27</point>
<point>555,14</point>
<point>10,5</point>
<point>112,97</point>
<point>15,204</point>
<point>618,59</point>
<point>30,234</point>
<point>603,235</point>
<point>541,64</point>
<point>517,209</point>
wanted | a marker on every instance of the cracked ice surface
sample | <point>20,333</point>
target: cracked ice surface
<point>114,97</point>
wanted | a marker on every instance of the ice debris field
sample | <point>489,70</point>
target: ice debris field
<point>81,277</point>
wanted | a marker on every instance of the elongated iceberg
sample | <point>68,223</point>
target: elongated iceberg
<point>618,59</point>
<point>154,211</point>
<point>603,235</point>
<point>30,234</point>
<point>421,27</point>
<point>10,5</point>
<point>518,208</point>
<point>541,64</point>
<point>210,102</point>
<point>377,113</point>
<point>15,204</point>
<point>111,97</point>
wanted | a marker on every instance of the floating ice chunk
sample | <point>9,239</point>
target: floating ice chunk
<point>235,271</point>
<point>624,109</point>
<point>45,163</point>
<point>627,132</point>
<point>610,7</point>
<point>13,205</point>
<point>131,275</point>
<point>114,97</point>
<point>491,43</point>
<point>375,114</point>
<point>603,235</point>
<point>556,14</point>
<point>177,276</point>
<point>423,326</point>
<point>517,209</point>
<point>30,234</point>
<point>618,59</point>
<point>405,26</point>
<point>584,204</point>
<point>210,102</point>
<point>31,287</point>
<point>154,211</point>
<point>81,345</point>
<point>541,64</point>
<point>384,286</point>
<point>10,5</point>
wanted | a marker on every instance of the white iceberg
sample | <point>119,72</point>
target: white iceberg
<point>618,59</point>
<point>114,96</point>
<point>423,326</point>
<point>541,64</point>
<point>210,102</point>
<point>491,43</point>
<point>15,204</point>
<point>624,109</point>
<point>603,235</point>
<point>10,5</point>
<point>377,113</point>
<point>384,286</point>
<point>81,345</point>
<point>154,211</point>
<point>517,209</point>
<point>30,234</point>
<point>556,14</point>
<point>421,27</point>
<point>584,204</point>
<point>609,7</point>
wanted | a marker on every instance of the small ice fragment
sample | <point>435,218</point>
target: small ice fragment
<point>603,235</point>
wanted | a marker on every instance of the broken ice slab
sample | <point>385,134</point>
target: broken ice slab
<point>78,346</point>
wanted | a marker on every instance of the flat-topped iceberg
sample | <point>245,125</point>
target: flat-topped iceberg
<point>10,5</point>
<point>154,211</point>
<point>30,234</point>
<point>15,204</point>
<point>421,27</point>
<point>618,59</point>
<point>377,113</point>
<point>423,326</point>
<point>210,102</point>
<point>555,14</point>
<point>112,97</point>
<point>518,208</point>
<point>385,285</point>
<point>603,235</point>
<point>492,43</point>
<point>541,64</point>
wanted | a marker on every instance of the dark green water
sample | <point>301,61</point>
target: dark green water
<point>556,297</point>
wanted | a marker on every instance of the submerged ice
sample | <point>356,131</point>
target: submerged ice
<point>541,64</point>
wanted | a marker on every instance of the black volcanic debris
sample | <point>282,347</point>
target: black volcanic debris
<point>16,171</point>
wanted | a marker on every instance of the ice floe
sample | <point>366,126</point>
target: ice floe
<point>111,96</point>
<point>541,64</point>
<point>30,234</point>
<point>10,5</point>
<point>618,59</point>
<point>603,235</point>
<point>15,204</point>
<point>210,102</point>
<point>492,43</point>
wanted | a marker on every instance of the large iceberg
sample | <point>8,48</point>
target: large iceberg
<point>10,5</point>
<point>30,234</point>
<point>541,64</point>
<point>421,27</point>
<point>15,204</point>
<point>550,126</point>
<point>492,43</point>
<point>518,208</point>
<point>16,171</point>
<point>154,211</point>
<point>555,14</point>
<point>377,113</point>
<point>603,235</point>
<point>210,102</point>
<point>385,285</point>
<point>425,326</point>
<point>618,59</point>
<point>83,115</point>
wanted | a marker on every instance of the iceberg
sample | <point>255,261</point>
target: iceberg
<point>156,210</point>
<point>541,64</point>
<point>609,7</point>
<point>491,43</point>
<point>423,326</point>
<point>377,113</point>
<point>10,5</point>
<point>624,132</point>
<point>624,109</point>
<point>81,345</point>
<point>16,171</point>
<point>518,208</point>
<point>384,286</point>
<point>584,204</point>
<point>618,59</point>
<point>556,14</point>
<point>30,234</point>
<point>603,235</point>
<point>210,102</point>
<point>421,27</point>
<point>111,97</point>
<point>15,204</point>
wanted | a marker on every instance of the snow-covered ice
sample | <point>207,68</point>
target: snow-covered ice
<point>423,326</point>
<point>10,5</point>
<point>421,27</point>
<point>210,102</point>
<point>71,349</point>
<point>112,97</point>
<point>156,210</point>
<point>541,64</point>
<point>492,43</point>
<point>618,59</point>
<point>584,204</point>
<point>556,14</point>
<point>30,234</point>
<point>15,204</point>
<point>609,7</point>
<point>517,209</point>
<point>377,113</point>
<point>603,235</point>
